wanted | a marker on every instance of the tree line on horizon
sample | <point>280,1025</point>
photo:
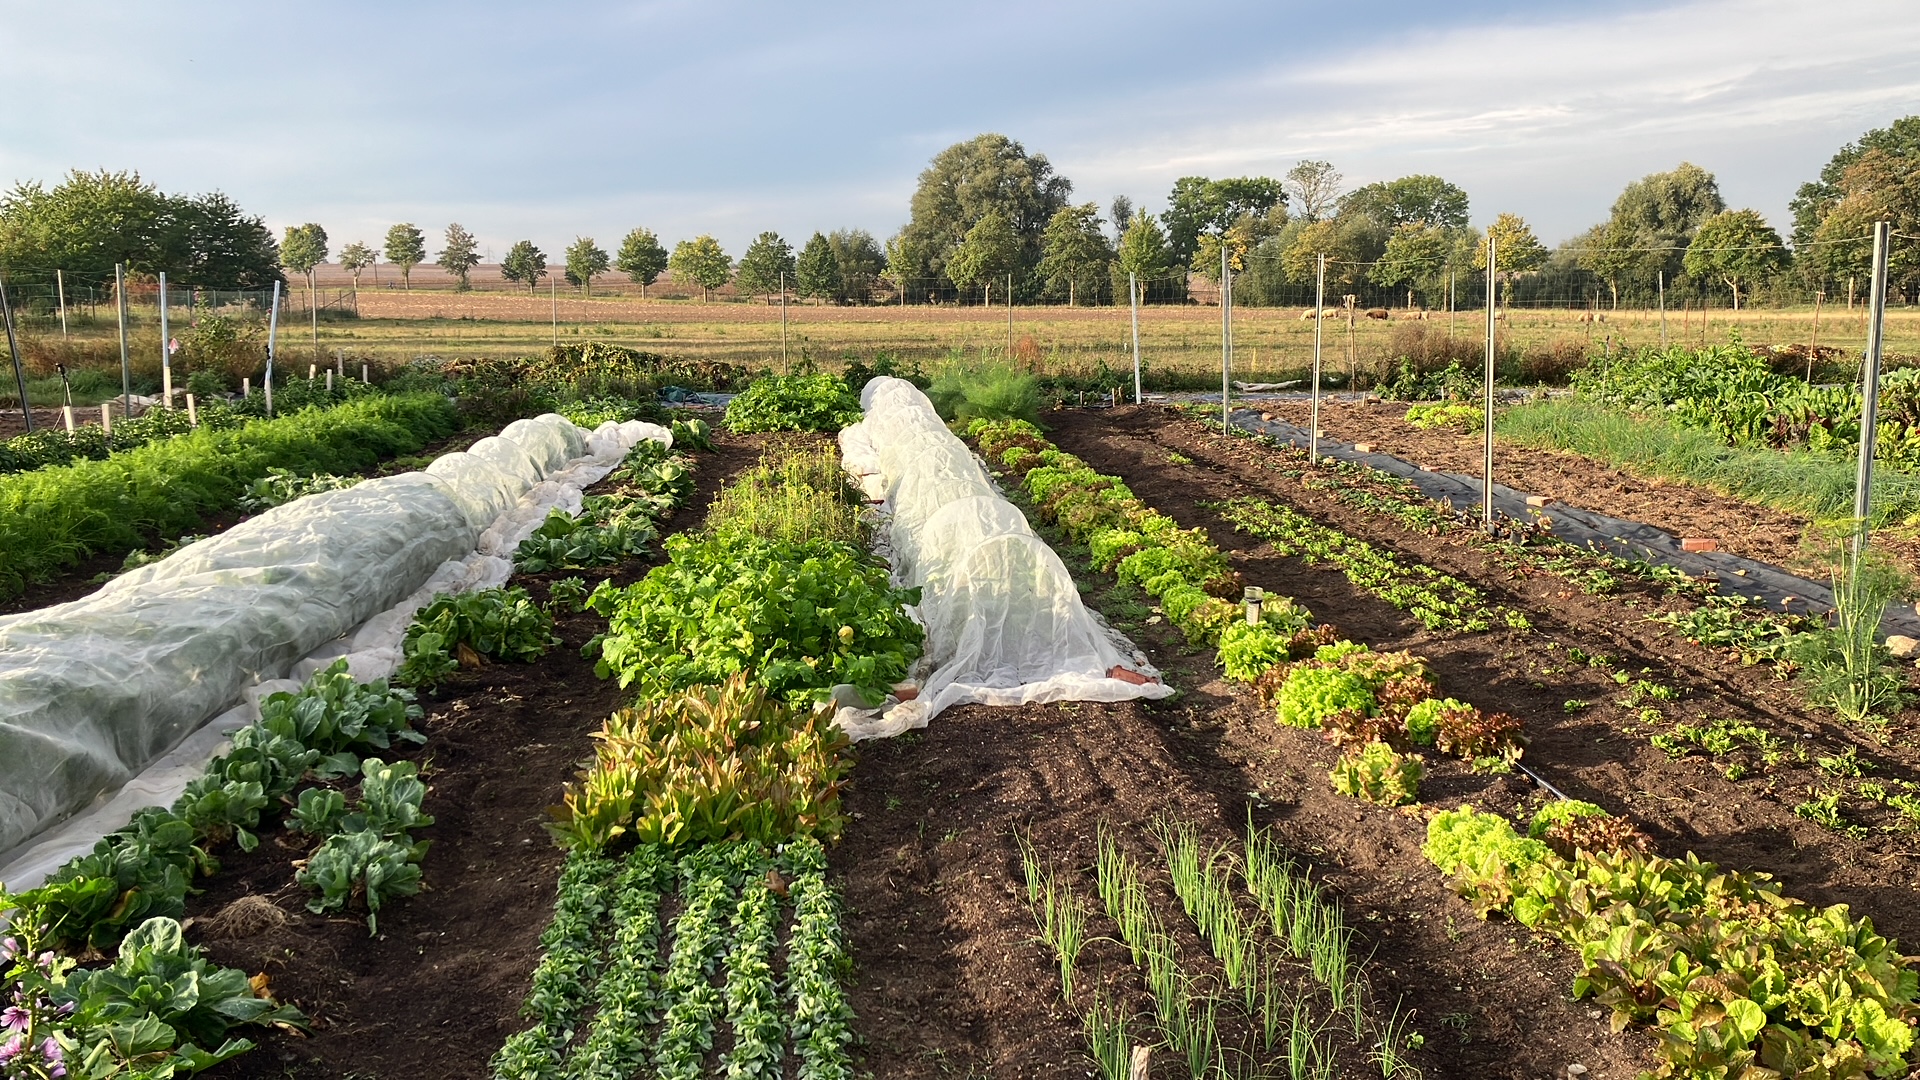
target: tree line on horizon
<point>987,216</point>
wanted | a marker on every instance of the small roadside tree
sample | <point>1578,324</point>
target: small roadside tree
<point>460,256</point>
<point>700,261</point>
<point>585,261</point>
<point>303,248</point>
<point>1073,251</point>
<point>1517,250</point>
<point>641,258</point>
<point>406,248</point>
<point>762,268</point>
<point>989,250</point>
<point>1316,186</point>
<point>524,263</point>
<point>816,272</point>
<point>1143,253</point>
<point>1416,256</point>
<point>355,258</point>
<point>861,262</point>
<point>1738,247</point>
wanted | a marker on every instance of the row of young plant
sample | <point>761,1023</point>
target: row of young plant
<point>1736,977</point>
<point>1380,708</point>
<point>88,442</point>
<point>1276,992</point>
<point>56,517</point>
<point>1840,663</point>
<point>719,786</point>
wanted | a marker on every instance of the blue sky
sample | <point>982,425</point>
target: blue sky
<point>546,121</point>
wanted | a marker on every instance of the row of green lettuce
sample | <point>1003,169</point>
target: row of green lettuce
<point>718,789</point>
<point>54,518</point>
<point>1736,978</point>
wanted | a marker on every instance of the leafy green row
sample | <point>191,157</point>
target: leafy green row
<point>1438,601</point>
<point>798,618</point>
<point>564,979</point>
<point>626,1002</point>
<point>817,958</point>
<point>498,624</point>
<point>1736,976</point>
<point>710,877</point>
<point>615,526</point>
<point>821,402</point>
<point>53,518</point>
<point>143,869</point>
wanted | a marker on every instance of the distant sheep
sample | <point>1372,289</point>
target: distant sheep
<point>1377,313</point>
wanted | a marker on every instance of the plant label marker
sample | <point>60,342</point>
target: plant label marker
<point>364,379</point>
<point>1486,490</point>
<point>1870,390</point>
<point>329,381</point>
<point>313,372</point>
<point>246,387</point>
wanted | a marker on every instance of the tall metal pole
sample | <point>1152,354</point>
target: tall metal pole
<point>1009,317</point>
<point>60,285</point>
<point>1133,299</point>
<point>13,347</point>
<point>1319,310</point>
<point>166,358</point>
<point>1226,340</point>
<point>273,338</point>
<point>1486,490</point>
<point>1450,305</point>
<point>1870,390</point>
<point>313,316</point>
<point>553,295</point>
<point>126,364</point>
<point>1663,309</point>
<point>783,322</point>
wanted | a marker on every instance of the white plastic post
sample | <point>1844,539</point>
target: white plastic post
<point>329,380</point>
<point>193,413</point>
<point>66,412</point>
<point>273,335</point>
<point>1486,488</point>
<point>1870,390</point>
<point>364,379</point>
<point>126,365</point>
<point>313,372</point>
<point>1319,309</point>
<point>1133,298</point>
<point>166,358</point>
<point>106,417</point>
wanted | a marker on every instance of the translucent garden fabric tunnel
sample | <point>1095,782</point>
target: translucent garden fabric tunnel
<point>1005,623</point>
<point>94,691</point>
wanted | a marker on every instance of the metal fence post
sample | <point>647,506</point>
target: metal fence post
<point>1870,390</point>
<point>1226,340</point>
<point>1133,299</point>
<point>1319,310</point>
<point>166,358</point>
<point>126,365</point>
<point>1486,490</point>
<point>13,347</point>
<point>273,337</point>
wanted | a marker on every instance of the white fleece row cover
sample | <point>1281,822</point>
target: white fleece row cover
<point>94,690</point>
<point>1005,623</point>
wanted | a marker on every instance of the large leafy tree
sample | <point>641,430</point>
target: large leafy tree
<point>460,255</point>
<point>700,261</point>
<point>1198,207</point>
<point>90,221</point>
<point>1654,220</point>
<point>989,251</point>
<point>966,181</point>
<point>1315,186</point>
<point>861,262</point>
<point>641,258</point>
<point>406,248</point>
<point>1416,256</point>
<point>766,260</point>
<point>303,248</point>
<point>1075,253</point>
<point>1516,249</point>
<point>1349,244</point>
<point>585,261</point>
<point>816,273</point>
<point>1817,199</point>
<point>1880,185</point>
<point>524,263</point>
<point>1607,252</point>
<point>354,259</point>
<point>1421,199</point>
<point>1738,247</point>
